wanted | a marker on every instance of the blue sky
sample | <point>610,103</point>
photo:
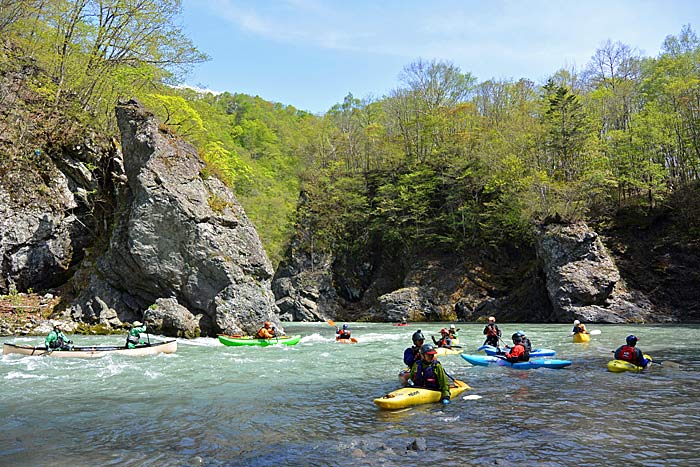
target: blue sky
<point>312,53</point>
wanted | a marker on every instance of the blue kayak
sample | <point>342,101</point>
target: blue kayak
<point>486,360</point>
<point>491,350</point>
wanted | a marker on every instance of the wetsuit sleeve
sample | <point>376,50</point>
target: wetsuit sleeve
<point>408,356</point>
<point>49,339</point>
<point>617,353</point>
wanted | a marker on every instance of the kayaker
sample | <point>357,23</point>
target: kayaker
<point>518,353</point>
<point>453,332</point>
<point>411,354</point>
<point>492,333</point>
<point>133,338</point>
<point>56,340</point>
<point>343,333</point>
<point>630,352</point>
<point>266,332</point>
<point>579,328</point>
<point>444,340</point>
<point>428,373</point>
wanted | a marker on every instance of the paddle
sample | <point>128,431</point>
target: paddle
<point>331,322</point>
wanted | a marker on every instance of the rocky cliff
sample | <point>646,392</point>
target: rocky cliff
<point>180,235</point>
<point>568,273</point>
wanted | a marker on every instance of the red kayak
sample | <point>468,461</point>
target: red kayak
<point>400,324</point>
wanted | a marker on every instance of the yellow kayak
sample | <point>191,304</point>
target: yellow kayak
<point>408,396</point>
<point>619,366</point>
<point>446,351</point>
<point>580,337</point>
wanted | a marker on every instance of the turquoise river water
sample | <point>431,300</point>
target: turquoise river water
<point>311,404</point>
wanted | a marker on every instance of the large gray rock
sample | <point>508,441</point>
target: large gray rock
<point>411,303</point>
<point>181,235</point>
<point>582,279</point>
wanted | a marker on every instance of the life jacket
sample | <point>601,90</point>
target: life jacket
<point>518,353</point>
<point>60,341</point>
<point>132,339</point>
<point>628,354</point>
<point>491,330</point>
<point>444,342</point>
<point>425,376</point>
<point>264,333</point>
<point>343,334</point>
<point>579,328</point>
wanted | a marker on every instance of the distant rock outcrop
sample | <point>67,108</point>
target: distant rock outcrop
<point>582,279</point>
<point>180,235</point>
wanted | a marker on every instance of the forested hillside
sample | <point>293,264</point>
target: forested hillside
<point>444,161</point>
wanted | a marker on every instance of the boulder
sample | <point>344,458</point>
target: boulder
<point>582,280</point>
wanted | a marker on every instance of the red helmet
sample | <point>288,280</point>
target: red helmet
<point>443,331</point>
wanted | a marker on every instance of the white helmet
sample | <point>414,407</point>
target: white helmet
<point>577,322</point>
<point>452,326</point>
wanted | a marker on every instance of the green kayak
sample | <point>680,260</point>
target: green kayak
<point>249,340</point>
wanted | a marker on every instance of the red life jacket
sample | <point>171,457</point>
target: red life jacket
<point>518,354</point>
<point>491,331</point>
<point>627,353</point>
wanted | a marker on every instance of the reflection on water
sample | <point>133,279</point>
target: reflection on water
<point>311,404</point>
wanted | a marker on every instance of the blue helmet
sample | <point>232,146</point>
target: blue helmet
<point>632,339</point>
<point>345,326</point>
<point>520,333</point>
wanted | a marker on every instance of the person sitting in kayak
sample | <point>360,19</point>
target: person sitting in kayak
<point>492,333</point>
<point>518,353</point>
<point>412,354</point>
<point>428,373</point>
<point>56,340</point>
<point>266,332</point>
<point>444,340</point>
<point>343,333</point>
<point>630,352</point>
<point>453,332</point>
<point>132,339</point>
<point>579,328</point>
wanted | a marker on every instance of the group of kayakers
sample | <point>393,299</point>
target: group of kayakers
<point>426,370</point>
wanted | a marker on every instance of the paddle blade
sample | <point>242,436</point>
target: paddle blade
<point>595,332</point>
<point>331,322</point>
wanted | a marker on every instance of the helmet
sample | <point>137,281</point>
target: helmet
<point>516,338</point>
<point>443,331</point>
<point>345,326</point>
<point>57,324</point>
<point>428,349</point>
<point>577,321</point>
<point>452,326</point>
<point>267,324</point>
<point>632,339</point>
<point>520,333</point>
<point>417,336</point>
<point>492,319</point>
<point>137,323</point>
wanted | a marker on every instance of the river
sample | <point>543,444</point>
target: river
<point>311,404</point>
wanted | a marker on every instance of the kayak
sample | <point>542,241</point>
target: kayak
<point>581,337</point>
<point>486,360</point>
<point>352,340</point>
<point>491,350</point>
<point>409,396</point>
<point>445,351</point>
<point>400,324</point>
<point>92,351</point>
<point>619,366</point>
<point>250,340</point>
